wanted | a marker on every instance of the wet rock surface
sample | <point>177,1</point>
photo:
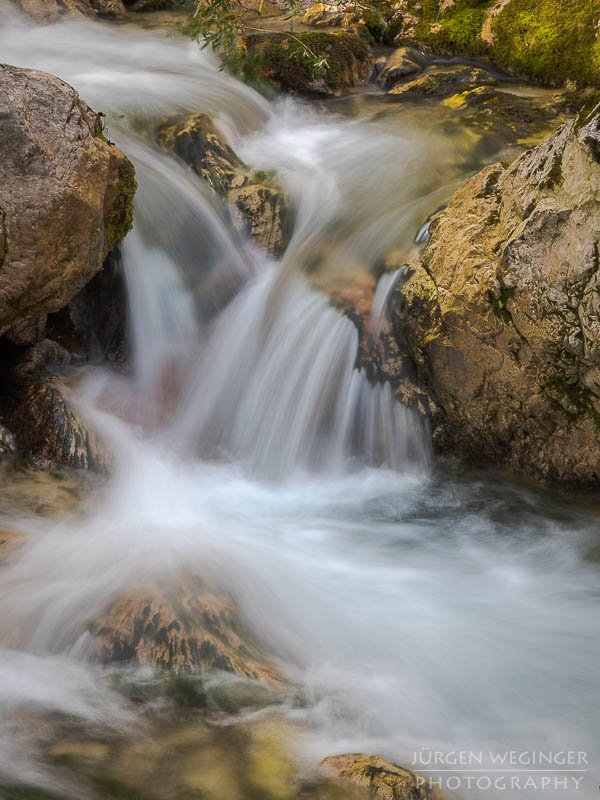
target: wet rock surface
<point>66,201</point>
<point>185,626</point>
<point>54,10</point>
<point>375,777</point>
<point>501,311</point>
<point>51,431</point>
<point>66,195</point>
<point>260,207</point>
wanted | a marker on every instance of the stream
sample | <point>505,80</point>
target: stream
<point>418,606</point>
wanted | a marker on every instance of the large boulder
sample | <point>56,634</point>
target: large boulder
<point>502,311</point>
<point>66,200</point>
<point>66,195</point>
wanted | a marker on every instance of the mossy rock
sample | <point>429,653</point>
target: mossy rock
<point>286,61</point>
<point>550,42</point>
<point>540,40</point>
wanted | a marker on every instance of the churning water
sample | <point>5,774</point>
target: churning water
<point>416,606</point>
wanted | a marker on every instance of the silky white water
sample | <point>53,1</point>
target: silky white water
<point>415,605</point>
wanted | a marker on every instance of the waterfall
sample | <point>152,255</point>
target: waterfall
<point>288,396</point>
<point>412,604</point>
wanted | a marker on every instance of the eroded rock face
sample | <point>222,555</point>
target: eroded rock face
<point>183,626</point>
<point>260,207</point>
<point>502,312</point>
<point>375,777</point>
<point>66,195</point>
<point>50,429</point>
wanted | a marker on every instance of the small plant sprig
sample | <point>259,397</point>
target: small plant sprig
<point>104,125</point>
<point>220,24</point>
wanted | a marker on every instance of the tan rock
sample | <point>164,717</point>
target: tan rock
<point>402,62</point>
<point>183,626</point>
<point>501,312</point>
<point>65,195</point>
<point>324,15</point>
<point>10,541</point>
<point>375,777</point>
<point>197,141</point>
<point>447,83</point>
<point>260,207</point>
<point>53,10</point>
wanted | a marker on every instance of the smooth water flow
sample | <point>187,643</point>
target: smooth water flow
<point>415,606</point>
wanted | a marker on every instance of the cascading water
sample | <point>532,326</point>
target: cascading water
<point>414,608</point>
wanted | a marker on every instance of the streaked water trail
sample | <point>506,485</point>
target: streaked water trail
<point>413,605</point>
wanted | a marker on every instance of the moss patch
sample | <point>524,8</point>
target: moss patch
<point>284,60</point>
<point>119,218</point>
<point>456,31</point>
<point>550,40</point>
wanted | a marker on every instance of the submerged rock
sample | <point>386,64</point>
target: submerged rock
<point>260,206</point>
<point>66,195</point>
<point>185,626</point>
<point>375,777</point>
<point>441,84</point>
<point>501,312</point>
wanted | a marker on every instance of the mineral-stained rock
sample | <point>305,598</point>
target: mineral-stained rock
<point>197,142</point>
<point>502,312</point>
<point>375,777</point>
<point>48,427</point>
<point>66,195</point>
<point>261,211</point>
<point>260,207</point>
<point>183,626</point>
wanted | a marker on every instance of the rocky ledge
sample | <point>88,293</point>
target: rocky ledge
<point>501,313</point>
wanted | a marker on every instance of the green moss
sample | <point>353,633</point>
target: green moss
<point>119,218</point>
<point>457,30</point>
<point>550,41</point>
<point>285,59</point>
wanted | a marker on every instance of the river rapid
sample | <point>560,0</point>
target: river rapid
<point>418,606</point>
